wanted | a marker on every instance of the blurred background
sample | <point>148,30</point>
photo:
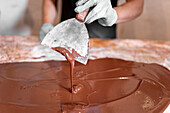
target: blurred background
<point>24,17</point>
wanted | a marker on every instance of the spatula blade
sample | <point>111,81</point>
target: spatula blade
<point>70,34</point>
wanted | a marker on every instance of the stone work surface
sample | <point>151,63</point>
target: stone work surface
<point>18,49</point>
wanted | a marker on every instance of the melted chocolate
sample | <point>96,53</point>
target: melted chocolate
<point>70,56</point>
<point>102,86</point>
<point>71,59</point>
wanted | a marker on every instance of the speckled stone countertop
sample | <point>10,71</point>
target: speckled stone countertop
<point>18,49</point>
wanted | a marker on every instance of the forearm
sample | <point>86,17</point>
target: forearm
<point>49,11</point>
<point>130,10</point>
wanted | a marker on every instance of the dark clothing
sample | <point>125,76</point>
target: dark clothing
<point>95,29</point>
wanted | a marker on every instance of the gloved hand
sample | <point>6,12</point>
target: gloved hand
<point>102,11</point>
<point>45,28</point>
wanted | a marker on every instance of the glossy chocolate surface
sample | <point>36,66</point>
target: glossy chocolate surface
<point>102,86</point>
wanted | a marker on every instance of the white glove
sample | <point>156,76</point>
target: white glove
<point>102,11</point>
<point>45,28</point>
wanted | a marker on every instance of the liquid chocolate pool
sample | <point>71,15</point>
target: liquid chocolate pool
<point>102,86</point>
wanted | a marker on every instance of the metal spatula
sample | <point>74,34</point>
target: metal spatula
<point>70,34</point>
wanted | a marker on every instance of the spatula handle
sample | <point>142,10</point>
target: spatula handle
<point>82,16</point>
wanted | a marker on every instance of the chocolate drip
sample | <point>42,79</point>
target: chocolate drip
<point>71,59</point>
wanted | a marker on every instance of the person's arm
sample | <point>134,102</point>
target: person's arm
<point>106,14</point>
<point>130,10</point>
<point>49,15</point>
<point>49,11</point>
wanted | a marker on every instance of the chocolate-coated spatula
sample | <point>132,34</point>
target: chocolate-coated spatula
<point>70,34</point>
